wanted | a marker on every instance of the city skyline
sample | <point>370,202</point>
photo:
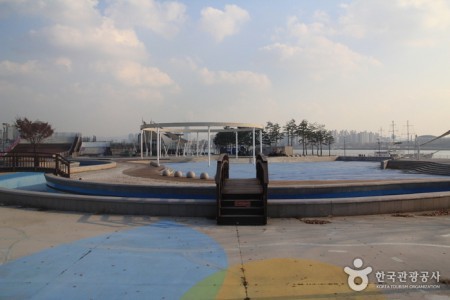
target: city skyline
<point>101,67</point>
<point>365,136</point>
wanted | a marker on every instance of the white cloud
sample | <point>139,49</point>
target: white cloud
<point>64,62</point>
<point>247,78</point>
<point>310,49</point>
<point>78,57</point>
<point>133,74</point>
<point>163,18</point>
<point>80,12</point>
<point>223,23</point>
<point>8,68</point>
<point>100,39</point>
<point>121,60</point>
<point>283,51</point>
<point>241,78</point>
<point>99,46</point>
<point>413,22</point>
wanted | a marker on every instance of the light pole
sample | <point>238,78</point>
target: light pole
<point>5,135</point>
<point>345,153</point>
<point>379,147</point>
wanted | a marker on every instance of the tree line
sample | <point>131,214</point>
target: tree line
<point>311,136</point>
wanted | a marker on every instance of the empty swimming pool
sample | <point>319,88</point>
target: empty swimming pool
<point>335,170</point>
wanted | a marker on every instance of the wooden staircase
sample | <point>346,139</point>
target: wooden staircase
<point>241,201</point>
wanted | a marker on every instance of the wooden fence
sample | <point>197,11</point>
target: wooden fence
<point>35,162</point>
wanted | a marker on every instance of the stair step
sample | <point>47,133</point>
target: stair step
<point>242,186</point>
<point>242,196</point>
<point>241,220</point>
<point>253,211</point>
<point>241,203</point>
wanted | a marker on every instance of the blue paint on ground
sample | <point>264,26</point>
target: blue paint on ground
<point>160,261</point>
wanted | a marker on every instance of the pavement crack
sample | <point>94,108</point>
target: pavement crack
<point>22,235</point>
<point>81,257</point>
<point>84,255</point>
<point>243,277</point>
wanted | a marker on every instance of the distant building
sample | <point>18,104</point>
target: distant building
<point>95,149</point>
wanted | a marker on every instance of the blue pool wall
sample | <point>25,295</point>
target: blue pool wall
<point>22,179</point>
<point>204,191</point>
<point>190,206</point>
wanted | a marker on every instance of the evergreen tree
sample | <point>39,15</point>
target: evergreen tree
<point>290,128</point>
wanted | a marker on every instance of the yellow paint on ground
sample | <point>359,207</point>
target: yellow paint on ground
<point>288,278</point>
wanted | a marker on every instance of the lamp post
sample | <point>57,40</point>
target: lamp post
<point>379,147</point>
<point>5,135</point>
<point>345,153</point>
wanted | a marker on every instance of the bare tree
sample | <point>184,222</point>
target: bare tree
<point>34,132</point>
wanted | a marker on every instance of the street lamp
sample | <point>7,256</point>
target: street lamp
<point>379,147</point>
<point>5,135</point>
<point>345,154</point>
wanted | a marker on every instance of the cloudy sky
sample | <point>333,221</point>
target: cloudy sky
<point>101,67</point>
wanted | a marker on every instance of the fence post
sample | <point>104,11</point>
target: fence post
<point>14,162</point>
<point>56,164</point>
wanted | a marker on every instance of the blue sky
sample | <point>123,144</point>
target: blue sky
<point>100,67</point>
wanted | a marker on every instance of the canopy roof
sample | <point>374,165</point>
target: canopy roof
<point>200,126</point>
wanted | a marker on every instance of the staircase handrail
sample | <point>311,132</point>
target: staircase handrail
<point>262,174</point>
<point>262,169</point>
<point>222,173</point>
<point>11,147</point>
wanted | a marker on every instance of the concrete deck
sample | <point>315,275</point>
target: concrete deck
<point>54,255</point>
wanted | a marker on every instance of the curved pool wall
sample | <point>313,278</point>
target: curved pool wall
<point>208,191</point>
<point>199,201</point>
<point>84,165</point>
<point>200,192</point>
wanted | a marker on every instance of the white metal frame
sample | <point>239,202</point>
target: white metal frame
<point>209,127</point>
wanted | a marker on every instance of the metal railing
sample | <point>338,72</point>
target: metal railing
<point>35,162</point>
<point>262,174</point>
<point>222,173</point>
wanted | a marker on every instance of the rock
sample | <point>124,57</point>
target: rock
<point>167,172</point>
<point>154,164</point>
<point>178,174</point>
<point>190,174</point>
<point>204,175</point>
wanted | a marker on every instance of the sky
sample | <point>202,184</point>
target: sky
<point>102,67</point>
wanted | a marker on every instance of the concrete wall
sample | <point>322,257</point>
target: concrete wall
<point>129,190</point>
<point>359,206</point>
<point>109,205</point>
<point>207,208</point>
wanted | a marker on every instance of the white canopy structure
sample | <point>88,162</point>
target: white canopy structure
<point>198,127</point>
